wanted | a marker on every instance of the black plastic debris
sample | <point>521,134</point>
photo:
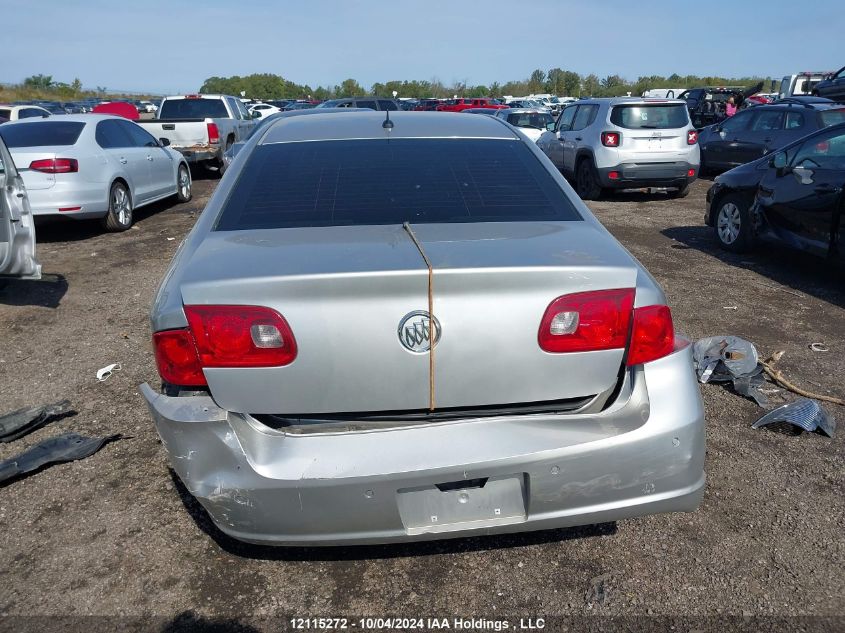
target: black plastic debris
<point>18,423</point>
<point>795,417</point>
<point>67,447</point>
<point>730,359</point>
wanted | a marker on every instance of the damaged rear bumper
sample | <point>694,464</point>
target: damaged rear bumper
<point>642,455</point>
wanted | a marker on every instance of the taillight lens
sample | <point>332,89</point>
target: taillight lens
<point>611,139</point>
<point>587,321</point>
<point>55,165</point>
<point>177,358</point>
<point>604,319</point>
<point>213,133</point>
<point>653,335</point>
<point>692,137</point>
<point>241,336</point>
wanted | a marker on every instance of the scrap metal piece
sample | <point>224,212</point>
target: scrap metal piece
<point>730,359</point>
<point>18,423</point>
<point>738,356</point>
<point>67,447</point>
<point>803,414</point>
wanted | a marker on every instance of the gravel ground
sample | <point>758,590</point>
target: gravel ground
<point>117,535</point>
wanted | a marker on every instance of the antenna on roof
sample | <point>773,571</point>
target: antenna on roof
<point>388,124</point>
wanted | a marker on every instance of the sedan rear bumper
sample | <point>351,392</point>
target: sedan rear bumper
<point>642,455</point>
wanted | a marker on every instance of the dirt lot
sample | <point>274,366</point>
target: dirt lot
<point>115,534</point>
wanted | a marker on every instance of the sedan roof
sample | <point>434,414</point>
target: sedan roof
<point>333,126</point>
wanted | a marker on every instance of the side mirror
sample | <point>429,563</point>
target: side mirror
<point>778,161</point>
<point>165,142</point>
<point>256,114</point>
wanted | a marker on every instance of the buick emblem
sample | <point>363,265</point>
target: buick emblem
<point>415,331</point>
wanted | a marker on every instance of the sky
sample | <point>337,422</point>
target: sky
<point>172,46</point>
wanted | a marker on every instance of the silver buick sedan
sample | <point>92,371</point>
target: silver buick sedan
<point>399,329</point>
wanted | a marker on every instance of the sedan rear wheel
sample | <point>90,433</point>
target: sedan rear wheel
<point>119,217</point>
<point>183,183</point>
<point>732,224</point>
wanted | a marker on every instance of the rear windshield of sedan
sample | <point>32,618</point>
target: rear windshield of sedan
<point>650,117</point>
<point>366,182</point>
<point>193,109</point>
<point>41,133</point>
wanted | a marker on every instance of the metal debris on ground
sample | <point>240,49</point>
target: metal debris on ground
<point>18,423</point>
<point>730,359</point>
<point>795,417</point>
<point>819,347</point>
<point>67,447</point>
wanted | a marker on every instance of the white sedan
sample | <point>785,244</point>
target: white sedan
<point>264,109</point>
<point>94,166</point>
<point>18,112</point>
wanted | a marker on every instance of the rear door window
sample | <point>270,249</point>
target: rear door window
<point>41,134</point>
<point>767,121</point>
<point>367,182</point>
<point>387,104</point>
<point>794,120</point>
<point>585,116</point>
<point>193,109</point>
<point>366,104</point>
<point>670,116</point>
<point>110,135</point>
<point>5,113</point>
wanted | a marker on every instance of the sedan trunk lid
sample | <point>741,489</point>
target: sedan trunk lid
<point>346,290</point>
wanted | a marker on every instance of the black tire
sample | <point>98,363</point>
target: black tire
<point>682,192</point>
<point>184,190</point>
<point>732,223</point>
<point>586,183</point>
<point>119,218</point>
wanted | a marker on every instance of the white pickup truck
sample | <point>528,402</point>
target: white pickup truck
<point>201,127</point>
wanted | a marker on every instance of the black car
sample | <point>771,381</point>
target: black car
<point>708,105</point>
<point>794,195</point>
<point>833,88</point>
<point>757,131</point>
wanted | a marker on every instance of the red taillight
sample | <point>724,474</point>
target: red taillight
<point>241,336</point>
<point>692,137</point>
<point>213,133</point>
<point>55,165</point>
<point>690,173</point>
<point>602,320</point>
<point>587,321</point>
<point>613,175</point>
<point>177,358</point>
<point>653,335</point>
<point>611,139</point>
